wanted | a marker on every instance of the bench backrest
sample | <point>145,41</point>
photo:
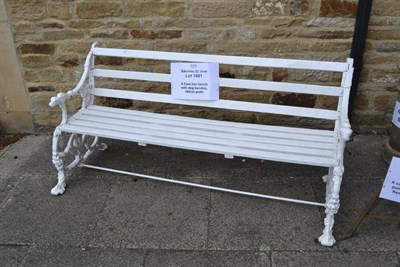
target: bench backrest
<point>341,92</point>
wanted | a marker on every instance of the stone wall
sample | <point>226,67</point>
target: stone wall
<point>52,38</point>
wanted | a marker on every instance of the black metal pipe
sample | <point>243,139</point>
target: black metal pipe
<point>358,46</point>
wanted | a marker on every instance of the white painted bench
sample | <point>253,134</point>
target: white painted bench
<point>276,143</point>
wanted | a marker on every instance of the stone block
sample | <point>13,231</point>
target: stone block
<point>93,10</point>
<point>280,7</point>
<point>110,33</point>
<point>68,61</point>
<point>280,74</point>
<point>85,24</point>
<point>37,48</point>
<point>115,102</point>
<point>217,9</point>
<point>41,88</point>
<point>154,9</point>
<point>116,61</point>
<point>385,102</point>
<point>332,8</point>
<point>62,35</point>
<point>52,25</point>
<point>386,8</point>
<point>362,101</point>
<point>380,34</point>
<point>59,10</point>
<point>36,61</point>
<point>27,12</point>
<point>272,33</point>
<point>388,47</point>
<point>292,99</point>
<point>326,34</point>
<point>181,46</point>
<point>163,34</point>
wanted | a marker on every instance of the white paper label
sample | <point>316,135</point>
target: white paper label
<point>391,186</point>
<point>195,81</point>
<point>396,115</point>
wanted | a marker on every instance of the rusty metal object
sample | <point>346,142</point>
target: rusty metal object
<point>392,147</point>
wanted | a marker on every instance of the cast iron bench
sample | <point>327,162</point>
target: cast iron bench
<point>316,147</point>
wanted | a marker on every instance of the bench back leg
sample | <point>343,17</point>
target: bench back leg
<point>333,183</point>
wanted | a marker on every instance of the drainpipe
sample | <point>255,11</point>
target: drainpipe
<point>358,46</point>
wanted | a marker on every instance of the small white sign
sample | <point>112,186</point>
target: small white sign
<point>195,81</point>
<point>391,186</point>
<point>396,115</point>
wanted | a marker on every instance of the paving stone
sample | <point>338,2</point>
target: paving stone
<point>127,156</point>
<point>7,185</point>
<point>193,164</point>
<point>32,215</point>
<point>207,258</point>
<point>31,155</point>
<point>336,259</point>
<point>249,223</point>
<point>276,171</point>
<point>363,158</point>
<point>12,255</point>
<point>150,214</point>
<point>78,256</point>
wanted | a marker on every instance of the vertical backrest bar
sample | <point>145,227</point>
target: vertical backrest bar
<point>346,85</point>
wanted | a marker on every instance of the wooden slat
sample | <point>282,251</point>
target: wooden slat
<point>212,123</point>
<point>230,60</point>
<point>225,82</point>
<point>195,137</point>
<point>223,104</point>
<point>229,127</point>
<point>212,148</point>
<point>232,133</point>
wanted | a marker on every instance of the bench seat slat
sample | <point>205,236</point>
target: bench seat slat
<point>108,132</point>
<point>229,60</point>
<point>233,135</point>
<point>201,139</point>
<point>202,125</point>
<point>223,104</point>
<point>226,82</point>
<point>241,125</point>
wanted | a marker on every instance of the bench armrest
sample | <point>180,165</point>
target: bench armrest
<point>60,98</point>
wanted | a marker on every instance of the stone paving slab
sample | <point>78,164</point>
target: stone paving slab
<point>76,256</point>
<point>30,155</point>
<point>335,259</point>
<point>192,164</point>
<point>151,214</point>
<point>13,255</point>
<point>31,215</point>
<point>106,219</point>
<point>248,223</point>
<point>161,258</point>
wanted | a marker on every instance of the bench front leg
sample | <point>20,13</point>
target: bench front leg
<point>332,205</point>
<point>58,161</point>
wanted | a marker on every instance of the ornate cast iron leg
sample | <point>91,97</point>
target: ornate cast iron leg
<point>332,205</point>
<point>58,162</point>
<point>80,147</point>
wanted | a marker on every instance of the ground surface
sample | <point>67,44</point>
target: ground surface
<point>104,219</point>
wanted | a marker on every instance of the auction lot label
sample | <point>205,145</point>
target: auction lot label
<point>391,186</point>
<point>195,81</point>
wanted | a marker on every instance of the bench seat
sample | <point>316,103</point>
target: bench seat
<point>276,143</point>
